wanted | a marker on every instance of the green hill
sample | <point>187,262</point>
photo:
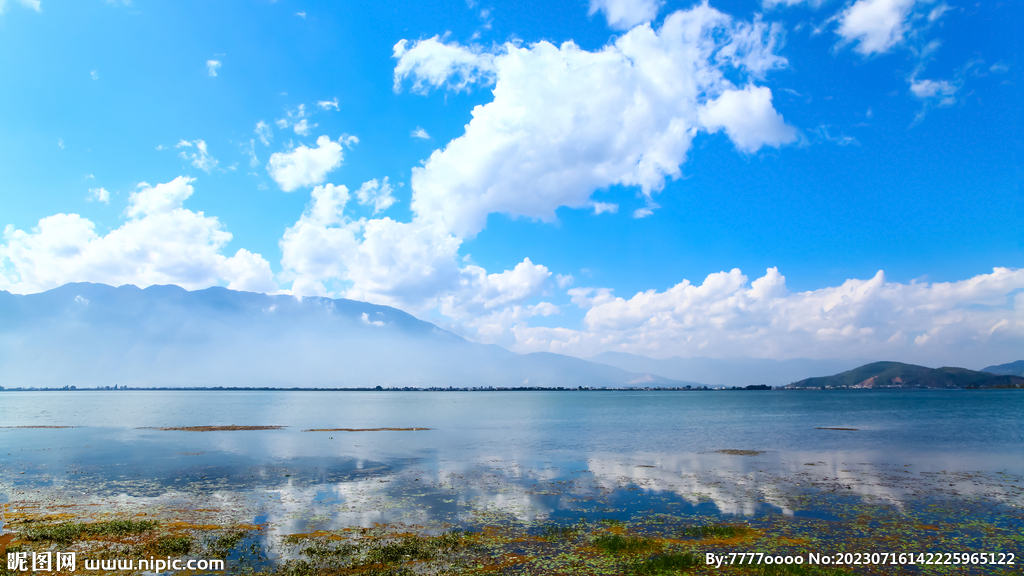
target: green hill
<point>899,375</point>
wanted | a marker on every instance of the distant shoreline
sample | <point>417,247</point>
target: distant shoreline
<point>480,389</point>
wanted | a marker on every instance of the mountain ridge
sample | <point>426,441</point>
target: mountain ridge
<point>87,334</point>
<point>1008,369</point>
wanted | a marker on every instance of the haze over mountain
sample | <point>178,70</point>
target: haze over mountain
<point>900,375</point>
<point>1008,369</point>
<point>88,335</point>
<point>728,371</point>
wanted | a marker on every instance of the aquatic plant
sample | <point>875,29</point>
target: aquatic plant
<point>67,532</point>
<point>714,531</point>
<point>667,564</point>
<point>557,531</point>
<point>615,544</point>
<point>222,546</point>
<point>172,546</point>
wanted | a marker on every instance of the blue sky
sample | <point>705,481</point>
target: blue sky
<point>555,173</point>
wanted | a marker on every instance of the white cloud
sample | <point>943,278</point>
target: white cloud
<point>748,118</point>
<point>414,266</point>
<point>432,64</point>
<point>938,11</point>
<point>99,195</point>
<point>934,89</point>
<point>161,243</point>
<point>94,75</point>
<point>602,207</point>
<point>624,14</point>
<point>769,4</point>
<point>328,104</point>
<point>938,323</point>
<point>376,193</point>
<point>60,143</point>
<point>301,14</point>
<point>564,280</point>
<point>876,25</point>
<point>366,320</point>
<point>200,158</point>
<point>420,133</point>
<point>212,66</point>
<point>302,127</point>
<point>643,212</point>
<point>30,4</point>
<point>565,121</point>
<point>264,132</point>
<point>304,166</point>
<point>298,119</point>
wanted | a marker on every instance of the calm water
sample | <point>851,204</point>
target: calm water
<point>529,455</point>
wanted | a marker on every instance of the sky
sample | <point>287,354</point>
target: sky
<point>774,179</point>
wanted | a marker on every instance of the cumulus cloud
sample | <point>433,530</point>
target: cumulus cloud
<point>30,4</point>
<point>875,25</point>
<point>565,121</point>
<point>625,14</point>
<point>99,195</point>
<point>377,194</point>
<point>414,266</point>
<point>748,118</point>
<point>160,243</point>
<point>94,75</point>
<point>212,66</point>
<point>727,315</point>
<point>602,207</point>
<point>433,64</point>
<point>200,158</point>
<point>305,166</point>
<point>420,133</point>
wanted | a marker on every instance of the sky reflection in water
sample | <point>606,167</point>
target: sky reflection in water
<point>530,456</point>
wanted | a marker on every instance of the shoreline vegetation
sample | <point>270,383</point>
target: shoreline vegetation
<point>660,541</point>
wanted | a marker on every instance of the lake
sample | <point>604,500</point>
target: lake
<point>797,472</point>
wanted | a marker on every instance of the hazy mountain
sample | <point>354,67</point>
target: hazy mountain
<point>729,371</point>
<point>899,375</point>
<point>1011,369</point>
<point>97,335</point>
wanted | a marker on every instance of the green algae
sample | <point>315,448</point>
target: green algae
<point>67,532</point>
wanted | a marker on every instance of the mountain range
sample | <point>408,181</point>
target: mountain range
<point>88,335</point>
<point>1010,369</point>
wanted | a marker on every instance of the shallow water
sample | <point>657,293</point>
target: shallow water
<point>926,457</point>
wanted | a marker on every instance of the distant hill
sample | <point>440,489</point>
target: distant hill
<point>728,371</point>
<point>1011,369</point>
<point>899,375</point>
<point>88,335</point>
